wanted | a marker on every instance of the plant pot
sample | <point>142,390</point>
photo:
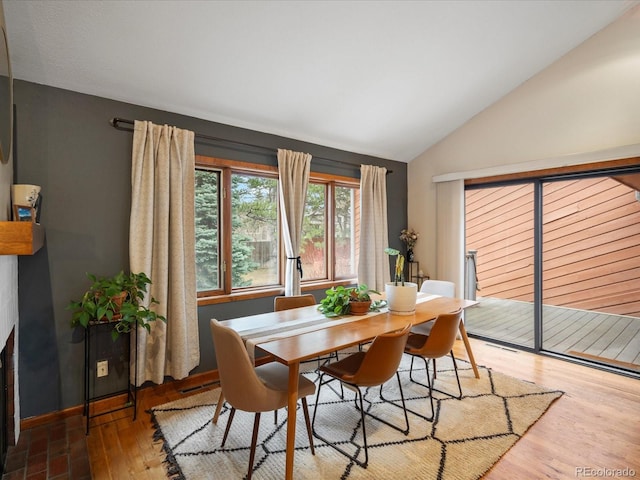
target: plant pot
<point>401,299</point>
<point>359,308</point>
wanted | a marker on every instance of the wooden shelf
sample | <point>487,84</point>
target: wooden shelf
<point>20,238</point>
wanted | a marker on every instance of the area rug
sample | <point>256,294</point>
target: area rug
<point>465,439</point>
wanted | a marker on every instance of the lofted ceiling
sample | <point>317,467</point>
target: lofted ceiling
<point>383,78</point>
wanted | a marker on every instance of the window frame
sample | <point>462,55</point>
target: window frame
<point>226,293</point>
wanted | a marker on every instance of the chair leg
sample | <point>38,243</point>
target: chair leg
<point>433,413</point>
<point>455,368</point>
<point>331,443</point>
<point>428,386</point>
<point>404,409</point>
<point>432,379</point>
<point>315,407</point>
<point>218,407</point>
<point>226,430</point>
<point>305,409</point>
<point>411,370</point>
<point>254,441</point>
<point>364,433</point>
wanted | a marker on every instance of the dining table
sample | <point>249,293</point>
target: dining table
<point>296,335</point>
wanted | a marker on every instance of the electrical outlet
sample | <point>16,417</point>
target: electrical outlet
<point>102,368</point>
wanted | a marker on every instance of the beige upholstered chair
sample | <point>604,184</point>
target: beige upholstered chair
<point>443,288</point>
<point>439,287</point>
<point>279,303</point>
<point>295,301</point>
<point>367,369</point>
<point>437,344</point>
<point>253,389</point>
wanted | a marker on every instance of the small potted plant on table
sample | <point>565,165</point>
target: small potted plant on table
<point>349,300</point>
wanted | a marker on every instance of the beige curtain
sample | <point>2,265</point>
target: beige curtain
<point>373,266</point>
<point>162,244</point>
<point>293,169</point>
<point>450,233</point>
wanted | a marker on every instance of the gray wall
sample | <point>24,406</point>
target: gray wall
<point>66,144</point>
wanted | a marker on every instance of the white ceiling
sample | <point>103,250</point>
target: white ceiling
<point>383,78</point>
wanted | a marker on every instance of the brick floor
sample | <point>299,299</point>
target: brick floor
<point>52,452</point>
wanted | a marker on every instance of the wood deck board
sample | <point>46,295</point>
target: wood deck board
<point>625,343</point>
<point>597,335</point>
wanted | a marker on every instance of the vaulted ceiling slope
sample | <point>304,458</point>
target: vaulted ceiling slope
<point>383,78</point>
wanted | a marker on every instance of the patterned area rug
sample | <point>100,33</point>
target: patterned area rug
<point>463,441</point>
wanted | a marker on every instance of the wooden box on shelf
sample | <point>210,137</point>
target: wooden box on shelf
<point>20,238</point>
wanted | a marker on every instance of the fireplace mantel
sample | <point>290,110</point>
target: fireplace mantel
<point>20,238</point>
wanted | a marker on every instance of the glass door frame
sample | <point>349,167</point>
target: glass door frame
<point>538,319</point>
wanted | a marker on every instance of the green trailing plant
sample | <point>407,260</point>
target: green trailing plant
<point>115,300</point>
<point>399,270</point>
<point>338,299</point>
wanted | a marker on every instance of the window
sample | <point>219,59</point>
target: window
<point>207,202</point>
<point>238,240</point>
<point>254,231</point>
<point>313,249</point>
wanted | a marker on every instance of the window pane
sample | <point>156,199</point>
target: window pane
<point>207,230</point>
<point>347,231</point>
<point>254,225</point>
<point>313,249</point>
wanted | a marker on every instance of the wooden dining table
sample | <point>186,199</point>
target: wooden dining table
<point>295,335</point>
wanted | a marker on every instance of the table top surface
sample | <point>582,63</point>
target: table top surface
<point>324,335</point>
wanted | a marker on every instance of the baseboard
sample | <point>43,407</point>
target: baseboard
<point>107,404</point>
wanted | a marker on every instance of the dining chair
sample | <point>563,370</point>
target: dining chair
<point>443,288</point>
<point>367,369</point>
<point>253,389</point>
<point>279,303</point>
<point>437,344</point>
<point>293,301</point>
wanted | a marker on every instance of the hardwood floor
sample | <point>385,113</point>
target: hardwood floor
<point>595,425</point>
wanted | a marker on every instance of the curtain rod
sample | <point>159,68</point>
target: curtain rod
<point>116,121</point>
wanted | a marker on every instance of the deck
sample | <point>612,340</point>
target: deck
<point>601,337</point>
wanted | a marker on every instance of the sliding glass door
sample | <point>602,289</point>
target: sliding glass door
<point>558,265</point>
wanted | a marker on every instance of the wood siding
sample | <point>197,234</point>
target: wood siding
<point>591,244</point>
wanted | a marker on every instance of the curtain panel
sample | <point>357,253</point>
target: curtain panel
<point>373,266</point>
<point>450,233</point>
<point>162,244</point>
<point>293,171</point>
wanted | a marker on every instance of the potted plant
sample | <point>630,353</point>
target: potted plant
<point>115,300</point>
<point>349,300</point>
<point>410,238</point>
<point>360,300</point>
<point>401,295</point>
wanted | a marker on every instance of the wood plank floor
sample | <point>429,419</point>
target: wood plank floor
<point>595,425</point>
<point>610,339</point>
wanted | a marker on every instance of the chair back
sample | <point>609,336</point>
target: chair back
<point>443,335</point>
<point>439,287</point>
<point>241,386</point>
<point>382,359</point>
<point>294,301</point>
